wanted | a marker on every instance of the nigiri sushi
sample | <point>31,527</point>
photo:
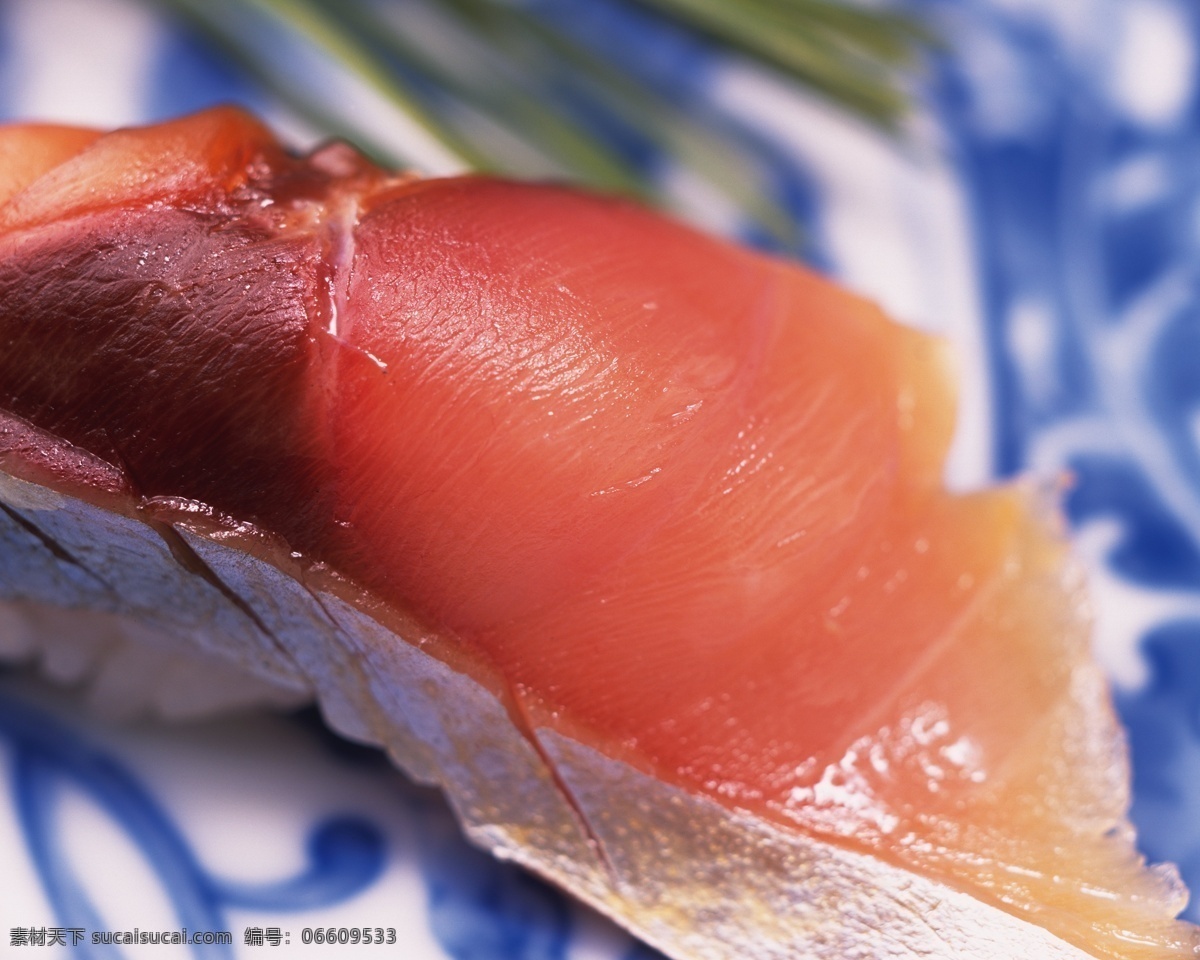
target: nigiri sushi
<point>632,541</point>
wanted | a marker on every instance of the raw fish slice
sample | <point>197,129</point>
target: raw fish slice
<point>631,540</point>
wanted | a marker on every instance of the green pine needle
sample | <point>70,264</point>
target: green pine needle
<point>484,80</point>
<point>850,54</point>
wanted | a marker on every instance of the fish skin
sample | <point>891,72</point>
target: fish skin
<point>268,488</point>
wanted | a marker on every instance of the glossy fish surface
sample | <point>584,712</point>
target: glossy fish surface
<point>632,540</point>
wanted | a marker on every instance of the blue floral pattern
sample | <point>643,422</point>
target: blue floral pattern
<point>345,854</point>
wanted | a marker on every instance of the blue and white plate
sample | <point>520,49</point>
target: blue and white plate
<point>1044,213</point>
